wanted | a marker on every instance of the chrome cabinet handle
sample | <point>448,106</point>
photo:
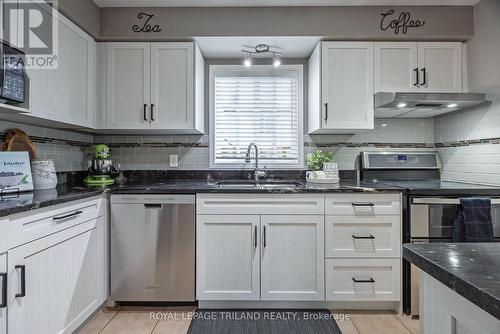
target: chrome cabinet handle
<point>368,237</point>
<point>76,213</point>
<point>3,302</point>
<point>23,281</point>
<point>417,77</point>
<point>371,280</point>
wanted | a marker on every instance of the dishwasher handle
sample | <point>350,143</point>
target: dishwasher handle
<point>152,205</point>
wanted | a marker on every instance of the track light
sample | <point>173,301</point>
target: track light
<point>248,60</point>
<point>276,60</point>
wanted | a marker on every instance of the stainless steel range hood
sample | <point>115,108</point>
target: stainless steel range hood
<point>423,105</point>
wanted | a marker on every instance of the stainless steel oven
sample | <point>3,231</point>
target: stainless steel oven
<point>432,220</point>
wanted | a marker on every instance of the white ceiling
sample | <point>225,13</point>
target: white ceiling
<point>230,47</point>
<point>250,3</point>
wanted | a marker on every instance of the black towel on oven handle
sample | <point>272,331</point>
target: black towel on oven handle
<point>473,222</point>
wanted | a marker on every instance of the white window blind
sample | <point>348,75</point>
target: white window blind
<point>260,108</point>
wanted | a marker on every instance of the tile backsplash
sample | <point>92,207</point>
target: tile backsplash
<point>66,148</point>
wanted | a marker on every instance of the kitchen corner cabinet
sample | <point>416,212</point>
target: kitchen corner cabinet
<point>155,86</point>
<point>67,94</point>
<point>341,87</point>
<point>419,67</point>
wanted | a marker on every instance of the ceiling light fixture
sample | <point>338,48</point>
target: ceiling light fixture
<point>259,49</point>
<point>248,60</point>
<point>452,105</point>
<point>402,105</point>
<point>276,60</point>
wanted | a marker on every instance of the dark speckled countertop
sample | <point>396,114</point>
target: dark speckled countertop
<point>13,203</point>
<point>470,269</point>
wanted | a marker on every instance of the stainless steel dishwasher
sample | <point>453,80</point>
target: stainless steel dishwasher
<point>152,248</point>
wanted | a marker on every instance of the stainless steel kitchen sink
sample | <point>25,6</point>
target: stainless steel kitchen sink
<point>257,185</point>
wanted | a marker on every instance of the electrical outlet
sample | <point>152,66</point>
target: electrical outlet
<point>174,161</point>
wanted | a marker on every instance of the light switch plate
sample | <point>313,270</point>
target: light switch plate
<point>174,161</point>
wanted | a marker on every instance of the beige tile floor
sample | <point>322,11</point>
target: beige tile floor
<point>136,320</point>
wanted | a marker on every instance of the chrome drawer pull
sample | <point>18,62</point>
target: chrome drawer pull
<point>76,213</point>
<point>371,280</point>
<point>368,237</point>
<point>363,204</point>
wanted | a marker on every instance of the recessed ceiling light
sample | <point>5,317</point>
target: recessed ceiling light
<point>383,124</point>
<point>452,105</point>
<point>402,104</point>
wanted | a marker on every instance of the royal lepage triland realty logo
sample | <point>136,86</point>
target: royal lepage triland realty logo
<point>32,27</point>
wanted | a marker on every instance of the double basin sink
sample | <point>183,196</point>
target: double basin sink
<point>258,185</point>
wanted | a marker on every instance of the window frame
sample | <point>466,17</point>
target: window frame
<point>264,70</point>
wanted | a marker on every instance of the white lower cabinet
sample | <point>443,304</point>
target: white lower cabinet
<point>292,266</point>
<point>363,279</point>
<point>53,281</point>
<point>228,257</point>
<point>3,293</point>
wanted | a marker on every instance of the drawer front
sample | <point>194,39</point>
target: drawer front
<point>363,204</point>
<point>30,226</point>
<point>260,204</point>
<point>363,236</point>
<point>363,279</point>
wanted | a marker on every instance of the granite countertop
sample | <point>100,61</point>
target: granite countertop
<point>15,203</point>
<point>470,269</point>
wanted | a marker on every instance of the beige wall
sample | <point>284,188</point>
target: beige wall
<point>442,22</point>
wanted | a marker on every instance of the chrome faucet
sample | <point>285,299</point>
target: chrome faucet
<point>257,172</point>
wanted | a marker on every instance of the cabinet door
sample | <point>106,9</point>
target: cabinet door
<point>293,257</point>
<point>128,85</point>
<point>61,282</point>
<point>395,67</point>
<point>227,257</point>
<point>3,295</point>
<point>172,84</point>
<point>66,94</point>
<point>441,63</point>
<point>347,85</point>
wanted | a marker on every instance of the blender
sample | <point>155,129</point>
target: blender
<point>101,167</point>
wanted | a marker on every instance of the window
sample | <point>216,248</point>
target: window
<point>261,105</point>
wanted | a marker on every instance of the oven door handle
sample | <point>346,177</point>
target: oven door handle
<point>444,201</point>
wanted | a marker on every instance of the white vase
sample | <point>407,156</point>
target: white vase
<point>44,174</point>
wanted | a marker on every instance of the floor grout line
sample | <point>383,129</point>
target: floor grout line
<point>407,328</point>
<point>353,323</point>
<point>107,323</point>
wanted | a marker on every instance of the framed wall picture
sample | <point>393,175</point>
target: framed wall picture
<point>15,172</point>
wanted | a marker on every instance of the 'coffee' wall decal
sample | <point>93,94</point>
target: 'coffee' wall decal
<point>145,26</point>
<point>401,23</point>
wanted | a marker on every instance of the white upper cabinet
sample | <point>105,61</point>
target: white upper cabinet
<point>341,87</point>
<point>155,86</point>
<point>66,94</point>
<point>418,67</point>
<point>396,66</point>
<point>440,67</point>
<point>128,85</point>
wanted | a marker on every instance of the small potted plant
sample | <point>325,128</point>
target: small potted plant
<point>315,164</point>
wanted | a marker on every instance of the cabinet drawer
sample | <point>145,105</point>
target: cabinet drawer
<point>27,227</point>
<point>363,236</point>
<point>363,204</point>
<point>255,204</point>
<point>363,279</point>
